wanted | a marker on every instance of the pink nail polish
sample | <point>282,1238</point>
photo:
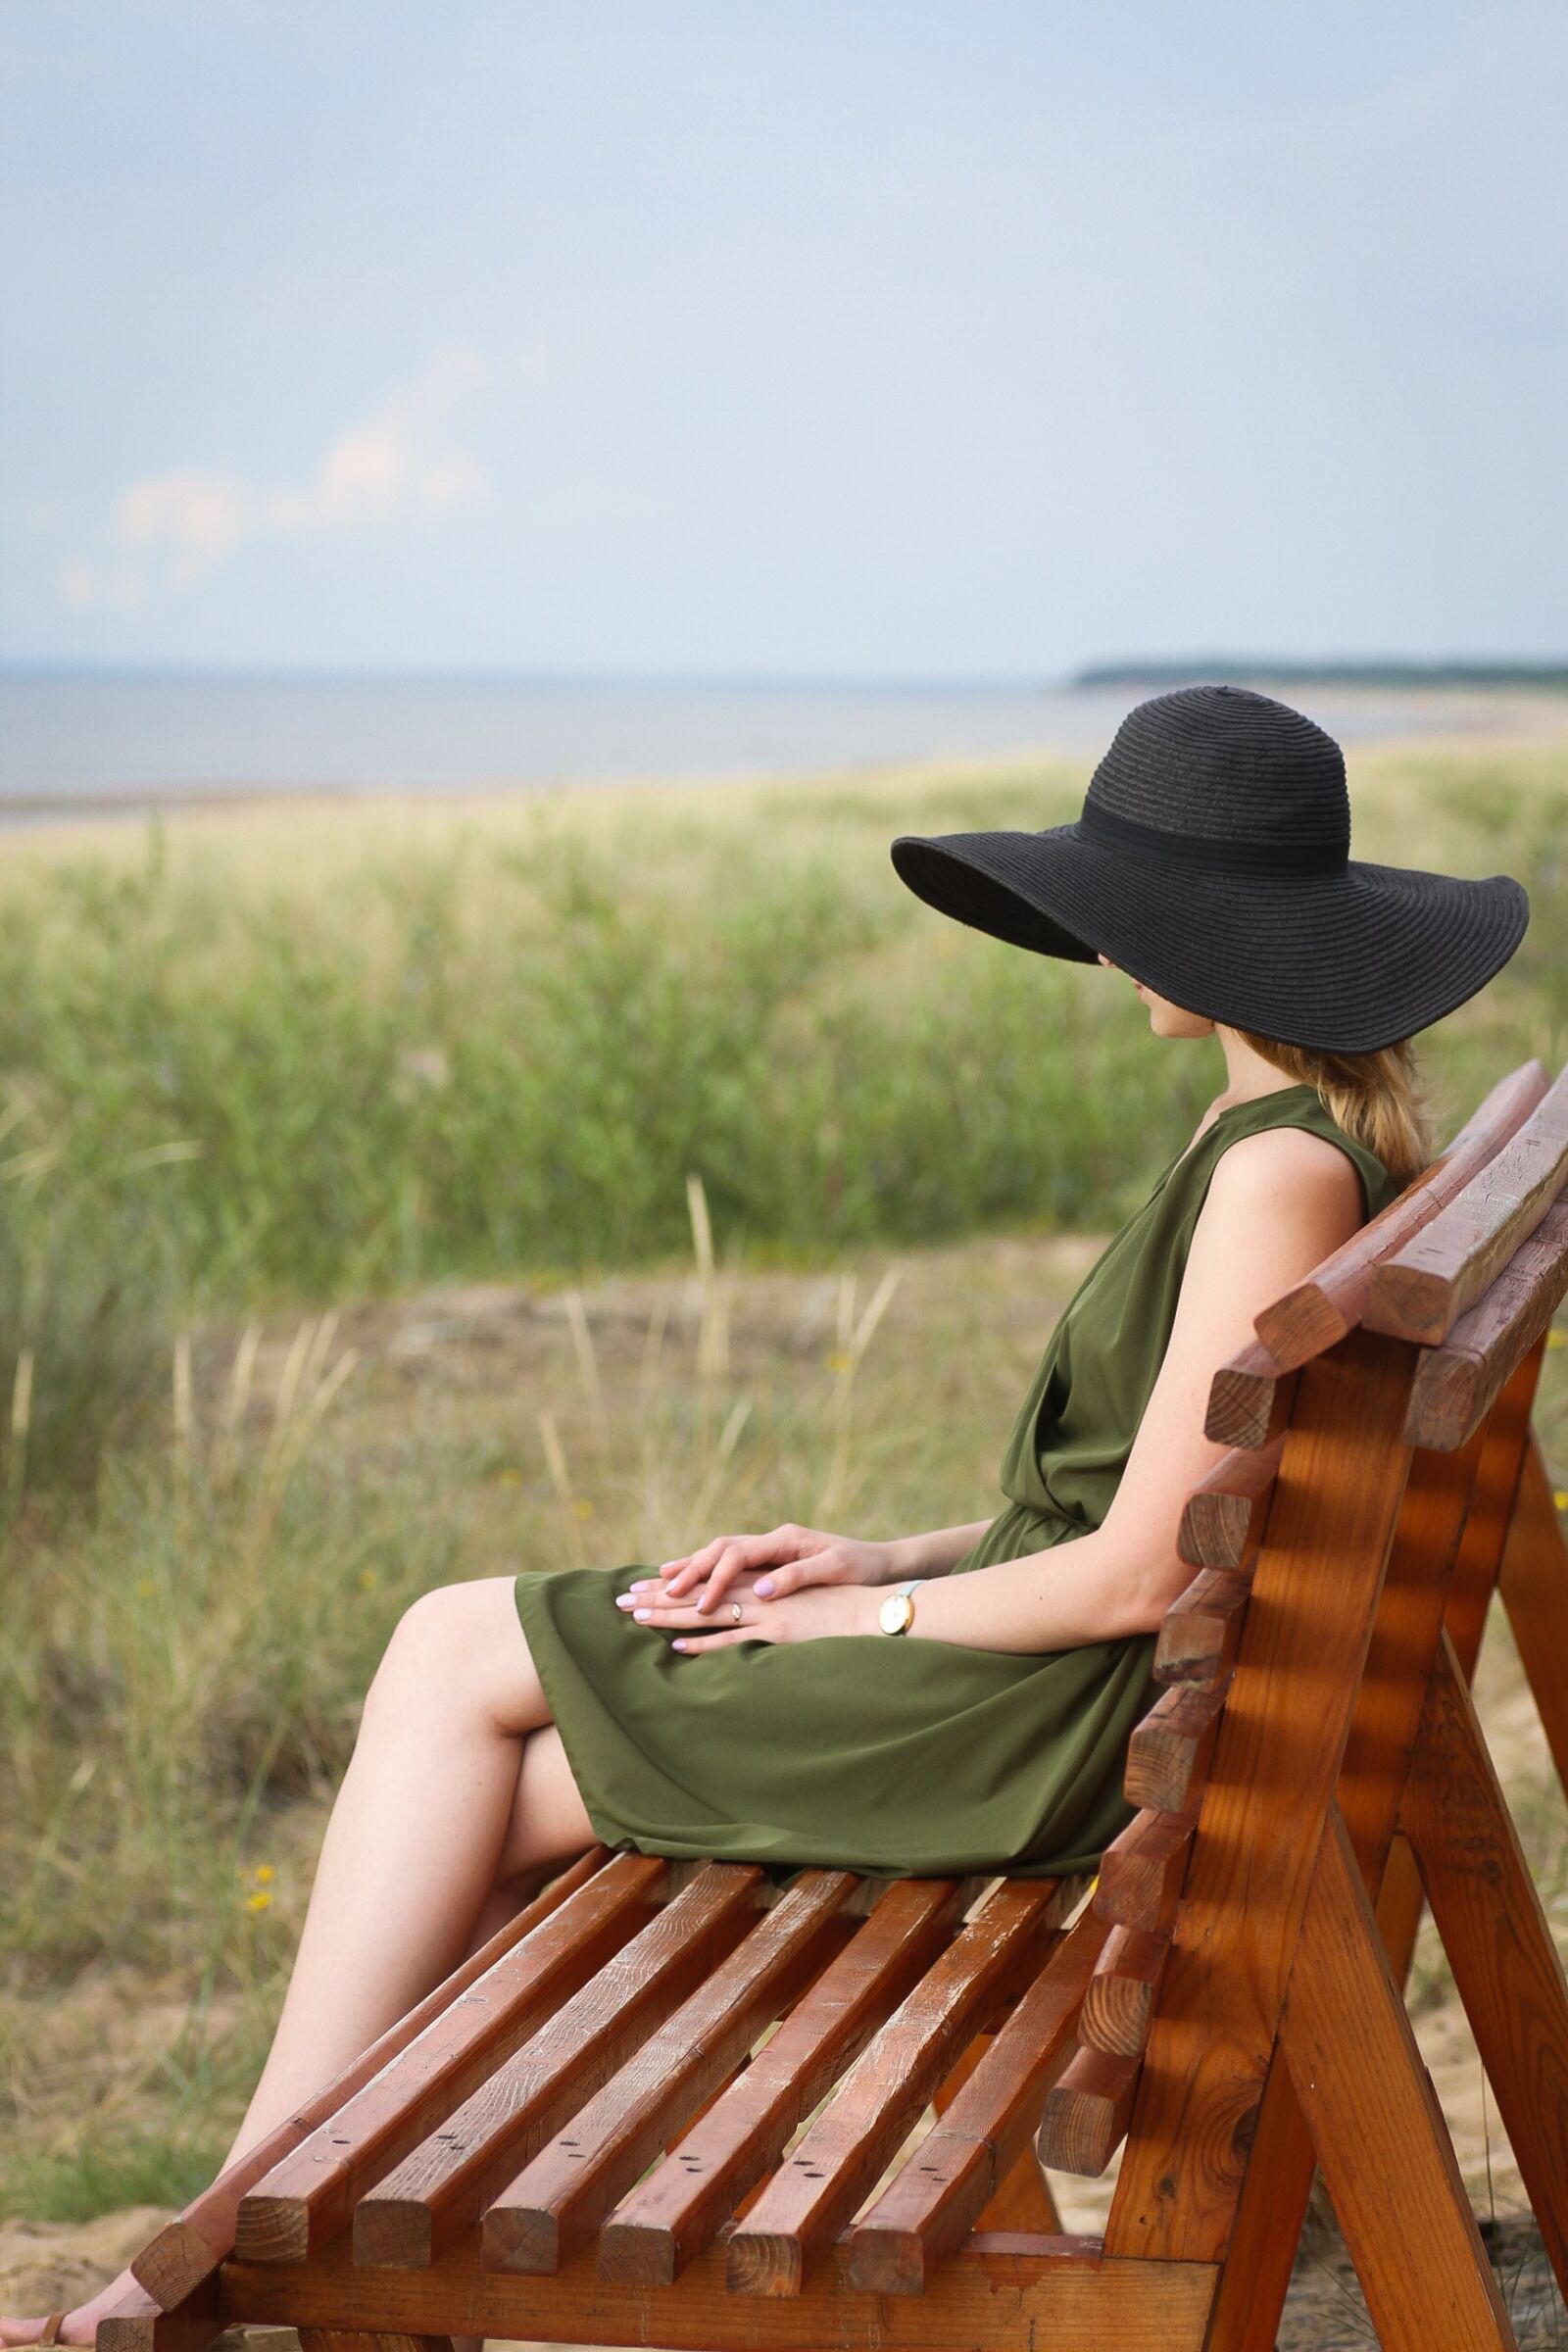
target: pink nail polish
<point>641,1615</point>
<point>764,1587</point>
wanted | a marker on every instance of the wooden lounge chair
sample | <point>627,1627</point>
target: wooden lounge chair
<point>593,2131</point>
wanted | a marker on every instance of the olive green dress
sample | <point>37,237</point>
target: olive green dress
<point>908,1755</point>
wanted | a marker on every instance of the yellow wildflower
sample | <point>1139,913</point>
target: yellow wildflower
<point>257,1901</point>
<point>582,1508</point>
<point>264,1873</point>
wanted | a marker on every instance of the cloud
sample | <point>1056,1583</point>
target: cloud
<point>172,529</point>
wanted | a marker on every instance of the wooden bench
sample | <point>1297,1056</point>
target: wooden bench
<point>674,2105</point>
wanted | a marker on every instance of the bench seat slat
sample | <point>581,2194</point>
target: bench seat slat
<point>306,2196</point>
<point>668,2219</point>
<point>845,2147</point>
<point>559,2197</point>
<point>442,2185</point>
<point>931,2202</point>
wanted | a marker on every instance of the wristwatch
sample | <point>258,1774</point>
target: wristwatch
<point>897,1613</point>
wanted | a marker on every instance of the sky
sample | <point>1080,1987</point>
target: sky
<point>893,339</point>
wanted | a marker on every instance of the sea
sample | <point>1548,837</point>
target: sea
<point>70,745</point>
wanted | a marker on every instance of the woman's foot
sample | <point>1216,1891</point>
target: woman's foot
<point>80,2325</point>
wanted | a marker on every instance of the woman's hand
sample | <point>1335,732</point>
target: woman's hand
<point>783,1561</point>
<point>803,1617</point>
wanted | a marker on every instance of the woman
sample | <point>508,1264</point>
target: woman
<point>960,1699</point>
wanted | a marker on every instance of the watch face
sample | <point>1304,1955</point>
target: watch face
<point>897,1613</point>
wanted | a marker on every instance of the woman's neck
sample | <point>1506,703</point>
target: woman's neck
<point>1247,1075</point>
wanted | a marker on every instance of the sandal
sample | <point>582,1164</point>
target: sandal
<point>50,2333</point>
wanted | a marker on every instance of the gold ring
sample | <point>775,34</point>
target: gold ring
<point>736,1613</point>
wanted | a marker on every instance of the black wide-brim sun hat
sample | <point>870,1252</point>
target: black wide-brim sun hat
<point>1211,861</point>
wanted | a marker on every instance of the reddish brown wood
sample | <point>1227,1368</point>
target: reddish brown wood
<point>669,2218</point>
<point>1387,2160</point>
<point>995,2294</point>
<point>1087,2111</point>
<point>845,2147</point>
<point>1198,1639</point>
<point>1222,1518</point>
<point>562,2194</point>
<point>308,2195</point>
<point>1249,1399</point>
<point>982,2135</point>
<point>187,2250</point>
<point>1275,1762</point>
<point>1020,2198</point>
<point>1420,1291</point>
<point>1455,1384</point>
<point>1120,2001</point>
<point>1141,1872</point>
<point>357,2339</point>
<point>1167,1755</point>
<point>443,2183</point>
<point>1534,1584</point>
<point>1497,1940</point>
<point>1311,1320</point>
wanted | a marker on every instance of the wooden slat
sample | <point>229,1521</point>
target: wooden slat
<point>187,2249</point>
<point>441,2186</point>
<point>1275,1762</point>
<point>995,2294</point>
<point>1534,1585</point>
<point>1249,1399</point>
<point>845,2145</point>
<point>1387,2160</point>
<point>307,2196</point>
<point>669,2218</point>
<point>361,2339</point>
<point>1311,1320</point>
<point>1455,1384</point>
<point>1120,1997</point>
<point>1087,2111</point>
<point>1497,1941</point>
<point>558,2198</point>
<point>1201,1630</point>
<point>1222,1518</point>
<point>1020,2196</point>
<point>925,2211</point>
<point>1421,1291</point>
<point>1141,1872</point>
<point>1168,1754</point>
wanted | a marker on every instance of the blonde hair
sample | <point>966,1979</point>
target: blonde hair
<point>1376,1098</point>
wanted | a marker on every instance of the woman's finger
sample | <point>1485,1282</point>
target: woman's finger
<point>816,1568</point>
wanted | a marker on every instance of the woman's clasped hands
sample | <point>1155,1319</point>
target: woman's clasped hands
<point>794,1584</point>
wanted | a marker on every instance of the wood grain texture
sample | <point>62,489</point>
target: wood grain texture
<point>1534,1584</point>
<point>1455,1384</point>
<point>1020,2197</point>
<point>1497,1940</point>
<point>308,2195</point>
<point>1314,1317</point>
<point>1382,2144</point>
<point>982,2136</point>
<point>562,2194</point>
<point>670,2217</point>
<point>1087,2111</point>
<point>996,2293</point>
<point>1120,1996</point>
<point>1168,1754</point>
<point>187,2250</point>
<point>1420,1291</point>
<point>848,2142</point>
<point>1202,1628</point>
<point>441,2186</point>
<point>1222,1518</point>
<point>1141,1872</point>
<point>1249,1399</point>
<point>1276,1763</point>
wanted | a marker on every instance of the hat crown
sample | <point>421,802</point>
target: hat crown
<point>1224,763</point>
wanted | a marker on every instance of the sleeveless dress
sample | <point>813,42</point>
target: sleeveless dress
<point>908,1756</point>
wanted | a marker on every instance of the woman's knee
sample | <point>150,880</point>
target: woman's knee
<point>463,1645</point>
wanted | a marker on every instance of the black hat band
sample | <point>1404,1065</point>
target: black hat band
<point>1225,853</point>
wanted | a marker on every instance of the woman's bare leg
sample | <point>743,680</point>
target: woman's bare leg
<point>455,1795</point>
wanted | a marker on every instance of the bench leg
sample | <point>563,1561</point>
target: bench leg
<point>1534,1584</point>
<point>1499,1944</point>
<point>1379,2134</point>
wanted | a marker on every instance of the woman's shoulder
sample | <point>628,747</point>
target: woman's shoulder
<point>1290,1146</point>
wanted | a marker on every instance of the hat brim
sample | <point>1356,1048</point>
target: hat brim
<point>1346,962</point>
